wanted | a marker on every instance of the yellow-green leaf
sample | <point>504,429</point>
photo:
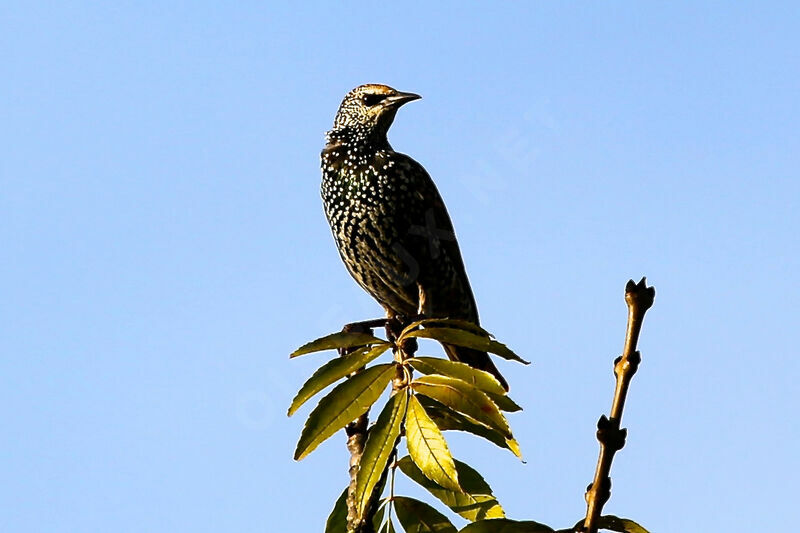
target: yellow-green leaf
<point>382,521</point>
<point>454,323</point>
<point>447,419</point>
<point>623,525</point>
<point>343,339</point>
<point>346,402</point>
<point>464,398</point>
<point>513,445</point>
<point>333,371</point>
<point>380,444</point>
<point>504,402</point>
<point>478,378</point>
<point>419,517</point>
<point>468,340</point>
<point>504,525</point>
<point>498,348</point>
<point>475,503</point>
<point>427,447</point>
<point>613,523</point>
<point>337,520</point>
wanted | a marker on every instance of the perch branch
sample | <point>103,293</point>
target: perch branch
<point>639,298</point>
<point>357,429</point>
<point>356,433</point>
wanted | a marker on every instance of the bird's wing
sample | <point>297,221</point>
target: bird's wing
<point>442,277</point>
<point>431,238</point>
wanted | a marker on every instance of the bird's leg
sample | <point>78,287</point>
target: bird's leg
<point>394,325</point>
<point>425,308</point>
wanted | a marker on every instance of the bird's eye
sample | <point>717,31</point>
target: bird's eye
<point>372,99</point>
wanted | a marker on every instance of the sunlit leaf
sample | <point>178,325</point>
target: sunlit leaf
<point>504,525</point>
<point>333,371</point>
<point>612,523</point>
<point>337,520</point>
<point>478,378</point>
<point>464,398</point>
<point>446,323</point>
<point>380,444</point>
<point>346,402</point>
<point>504,402</point>
<point>427,447</point>
<point>513,445</point>
<point>469,340</point>
<point>447,419</point>
<point>419,517</point>
<point>343,339</point>
<point>475,503</point>
<point>623,525</point>
<point>498,348</point>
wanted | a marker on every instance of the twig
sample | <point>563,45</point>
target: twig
<point>356,434</point>
<point>639,298</point>
<point>357,430</point>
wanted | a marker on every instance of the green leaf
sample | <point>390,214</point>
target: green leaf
<point>419,517</point>
<point>478,378</point>
<point>346,402</point>
<point>468,340</point>
<point>382,521</point>
<point>504,402</point>
<point>613,523</point>
<point>380,514</point>
<point>504,525</point>
<point>498,348</point>
<point>333,371</point>
<point>343,339</point>
<point>446,323</point>
<point>447,419</point>
<point>337,520</point>
<point>464,398</point>
<point>387,527</point>
<point>623,525</point>
<point>427,447</point>
<point>381,441</point>
<point>475,503</point>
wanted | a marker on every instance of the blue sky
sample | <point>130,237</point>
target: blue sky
<point>163,249</point>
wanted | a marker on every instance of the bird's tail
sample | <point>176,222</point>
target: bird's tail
<point>476,359</point>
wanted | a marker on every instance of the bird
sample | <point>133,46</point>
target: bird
<point>389,222</point>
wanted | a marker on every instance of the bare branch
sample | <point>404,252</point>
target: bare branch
<point>639,298</point>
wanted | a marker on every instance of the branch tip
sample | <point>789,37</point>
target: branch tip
<point>639,295</point>
<point>639,298</point>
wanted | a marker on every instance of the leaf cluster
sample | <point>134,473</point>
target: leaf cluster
<point>447,395</point>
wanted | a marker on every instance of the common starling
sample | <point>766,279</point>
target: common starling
<point>389,222</point>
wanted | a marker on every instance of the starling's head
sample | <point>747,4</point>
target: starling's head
<point>368,110</point>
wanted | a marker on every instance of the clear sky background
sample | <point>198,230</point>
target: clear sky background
<point>163,248</point>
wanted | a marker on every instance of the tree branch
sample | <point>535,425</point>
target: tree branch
<point>356,433</point>
<point>357,430</point>
<point>639,298</point>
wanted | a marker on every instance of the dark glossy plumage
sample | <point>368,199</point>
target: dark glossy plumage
<point>389,222</point>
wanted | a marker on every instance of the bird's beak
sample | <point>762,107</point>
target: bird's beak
<point>398,99</point>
